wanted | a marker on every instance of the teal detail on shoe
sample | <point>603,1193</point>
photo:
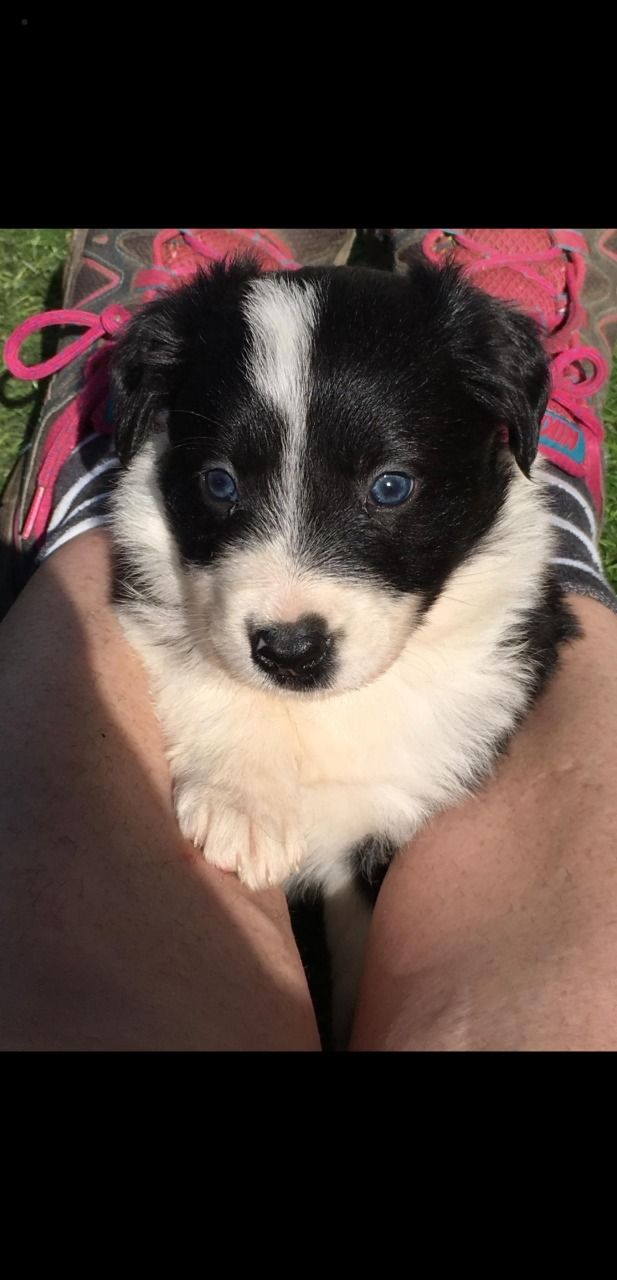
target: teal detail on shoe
<point>577,453</point>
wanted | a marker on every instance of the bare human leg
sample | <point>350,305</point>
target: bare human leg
<point>497,928</point>
<point>114,933</point>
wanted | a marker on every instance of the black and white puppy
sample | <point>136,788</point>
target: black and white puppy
<point>333,557</point>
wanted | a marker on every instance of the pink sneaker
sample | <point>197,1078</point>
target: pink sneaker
<point>60,482</point>
<point>543,271</point>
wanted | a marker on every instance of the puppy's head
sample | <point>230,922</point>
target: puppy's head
<point>331,445</point>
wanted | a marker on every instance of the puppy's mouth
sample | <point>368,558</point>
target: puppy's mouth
<point>298,657</point>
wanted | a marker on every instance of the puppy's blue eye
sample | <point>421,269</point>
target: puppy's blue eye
<point>391,489</point>
<point>221,485</point>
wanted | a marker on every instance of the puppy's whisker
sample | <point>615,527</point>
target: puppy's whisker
<point>183,444</point>
<point>206,417</point>
<point>457,600</point>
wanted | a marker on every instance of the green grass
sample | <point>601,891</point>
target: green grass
<point>30,281</point>
<point>608,543</point>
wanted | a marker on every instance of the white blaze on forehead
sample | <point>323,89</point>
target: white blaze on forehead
<point>281,317</point>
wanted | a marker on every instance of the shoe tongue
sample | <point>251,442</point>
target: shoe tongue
<point>319,246</point>
<point>508,283</point>
<point>271,248</point>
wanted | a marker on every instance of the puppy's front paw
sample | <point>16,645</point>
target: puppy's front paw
<point>234,840</point>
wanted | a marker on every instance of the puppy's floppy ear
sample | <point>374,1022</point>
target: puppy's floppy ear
<point>505,366</point>
<point>516,383</point>
<point>498,355</point>
<point>157,346</point>
<point>146,362</point>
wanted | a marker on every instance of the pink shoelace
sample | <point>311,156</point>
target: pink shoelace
<point>544,272</point>
<point>559,308</point>
<point>178,253</point>
<point>112,319</point>
<point>551,278</point>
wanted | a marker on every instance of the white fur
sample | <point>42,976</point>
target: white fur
<point>265,781</point>
<point>281,318</point>
<point>280,787</point>
<point>266,583</point>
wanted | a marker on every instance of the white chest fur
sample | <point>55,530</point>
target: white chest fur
<point>273,785</point>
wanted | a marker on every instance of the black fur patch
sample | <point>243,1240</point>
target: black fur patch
<point>369,862</point>
<point>422,373</point>
<point>543,632</point>
<point>418,373</point>
<point>307,921</point>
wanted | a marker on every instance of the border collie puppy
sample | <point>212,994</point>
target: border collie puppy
<point>332,554</point>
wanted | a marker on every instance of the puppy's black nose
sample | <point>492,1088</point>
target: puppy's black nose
<point>292,652</point>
